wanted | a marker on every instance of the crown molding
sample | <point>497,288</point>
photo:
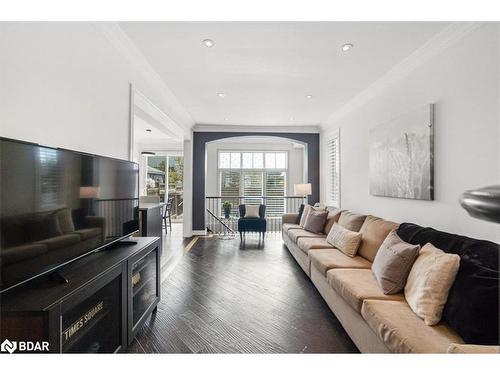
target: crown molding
<point>145,108</point>
<point>259,129</point>
<point>122,43</point>
<point>438,43</point>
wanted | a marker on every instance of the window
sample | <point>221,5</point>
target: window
<point>275,187</point>
<point>270,160</point>
<point>252,160</point>
<point>230,187</point>
<point>252,187</point>
<point>51,188</point>
<point>333,149</point>
<point>225,160</point>
<point>254,174</point>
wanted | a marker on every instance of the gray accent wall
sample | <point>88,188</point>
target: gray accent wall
<point>200,139</point>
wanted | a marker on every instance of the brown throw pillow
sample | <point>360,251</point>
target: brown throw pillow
<point>351,221</point>
<point>333,217</point>
<point>315,221</point>
<point>345,240</point>
<point>393,263</point>
<point>429,283</point>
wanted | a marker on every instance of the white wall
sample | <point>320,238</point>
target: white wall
<point>295,161</point>
<point>66,85</point>
<point>464,83</point>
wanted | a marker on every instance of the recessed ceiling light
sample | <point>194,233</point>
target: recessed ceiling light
<point>149,130</point>
<point>226,118</point>
<point>346,47</point>
<point>209,43</point>
<point>292,118</point>
<point>309,96</point>
<point>221,94</point>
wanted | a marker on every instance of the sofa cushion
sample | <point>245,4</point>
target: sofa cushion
<point>351,221</point>
<point>295,234</point>
<point>42,226</point>
<point>307,243</point>
<point>287,227</point>
<point>472,308</point>
<point>345,240</point>
<point>356,285</point>
<point>87,233</point>
<point>315,221</point>
<point>393,263</point>
<point>333,217</point>
<point>61,241</point>
<point>374,231</point>
<point>403,332</point>
<point>19,253</point>
<point>429,282</point>
<point>326,259</point>
<point>473,349</point>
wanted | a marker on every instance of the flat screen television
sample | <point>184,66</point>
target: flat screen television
<point>58,205</point>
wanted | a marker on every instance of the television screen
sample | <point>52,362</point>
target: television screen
<point>57,205</point>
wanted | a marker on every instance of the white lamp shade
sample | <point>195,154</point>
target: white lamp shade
<point>89,192</point>
<point>302,189</point>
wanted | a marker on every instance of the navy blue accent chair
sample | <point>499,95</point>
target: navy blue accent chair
<point>252,224</point>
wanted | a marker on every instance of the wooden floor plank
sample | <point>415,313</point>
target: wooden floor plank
<point>222,298</point>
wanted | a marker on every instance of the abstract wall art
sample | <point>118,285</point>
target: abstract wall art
<point>402,156</point>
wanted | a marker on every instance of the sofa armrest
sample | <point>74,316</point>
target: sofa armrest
<point>95,222</point>
<point>289,218</point>
<point>473,349</point>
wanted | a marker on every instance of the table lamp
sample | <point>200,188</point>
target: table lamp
<point>302,190</point>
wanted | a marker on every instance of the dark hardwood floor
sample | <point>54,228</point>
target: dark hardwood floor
<point>220,298</point>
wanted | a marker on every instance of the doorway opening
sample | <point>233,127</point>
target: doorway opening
<point>163,176</point>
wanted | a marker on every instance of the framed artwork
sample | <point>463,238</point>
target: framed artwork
<point>402,156</point>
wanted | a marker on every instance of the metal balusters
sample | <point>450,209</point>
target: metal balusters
<point>276,207</point>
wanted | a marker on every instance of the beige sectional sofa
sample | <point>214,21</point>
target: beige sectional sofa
<point>377,323</point>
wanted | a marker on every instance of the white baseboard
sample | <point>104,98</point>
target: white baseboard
<point>199,232</point>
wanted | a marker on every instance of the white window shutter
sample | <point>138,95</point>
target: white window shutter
<point>333,150</point>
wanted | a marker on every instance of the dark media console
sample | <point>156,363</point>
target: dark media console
<point>108,297</point>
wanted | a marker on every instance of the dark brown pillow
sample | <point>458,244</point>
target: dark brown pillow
<point>393,263</point>
<point>333,217</point>
<point>315,221</point>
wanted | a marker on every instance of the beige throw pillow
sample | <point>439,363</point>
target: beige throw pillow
<point>429,283</point>
<point>251,211</point>
<point>305,213</point>
<point>65,220</point>
<point>345,240</point>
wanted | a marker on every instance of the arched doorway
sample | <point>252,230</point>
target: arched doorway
<point>200,141</point>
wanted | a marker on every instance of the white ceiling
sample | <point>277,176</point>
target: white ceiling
<point>267,68</point>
